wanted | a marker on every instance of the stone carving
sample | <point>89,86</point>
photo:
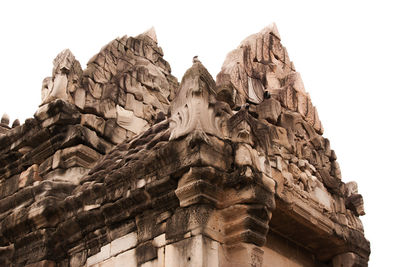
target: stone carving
<point>123,166</point>
<point>351,189</point>
<point>354,201</point>
<point>262,64</point>
<point>195,108</point>
<point>65,80</point>
<point>16,123</point>
<point>5,119</point>
<point>129,81</point>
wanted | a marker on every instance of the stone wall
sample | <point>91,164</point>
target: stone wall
<point>123,166</point>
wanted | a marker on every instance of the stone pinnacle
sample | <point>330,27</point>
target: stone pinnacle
<point>5,119</point>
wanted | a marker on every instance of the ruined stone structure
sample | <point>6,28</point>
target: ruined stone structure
<point>124,166</point>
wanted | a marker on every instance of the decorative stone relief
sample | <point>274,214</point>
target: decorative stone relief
<point>354,201</point>
<point>195,108</point>
<point>65,80</point>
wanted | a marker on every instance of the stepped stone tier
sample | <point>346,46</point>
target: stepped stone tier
<point>121,165</point>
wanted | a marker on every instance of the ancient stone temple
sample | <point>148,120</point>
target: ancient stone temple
<point>122,165</point>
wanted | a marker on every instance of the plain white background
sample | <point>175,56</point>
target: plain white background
<point>346,51</point>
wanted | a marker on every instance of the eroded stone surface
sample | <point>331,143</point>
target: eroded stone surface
<point>123,166</point>
<point>262,64</point>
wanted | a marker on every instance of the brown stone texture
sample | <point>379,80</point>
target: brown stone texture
<point>124,166</point>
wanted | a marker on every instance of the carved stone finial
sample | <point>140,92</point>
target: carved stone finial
<point>194,108</point>
<point>5,119</point>
<point>16,123</point>
<point>354,201</point>
<point>67,72</point>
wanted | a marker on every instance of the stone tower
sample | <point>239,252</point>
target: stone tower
<point>124,166</point>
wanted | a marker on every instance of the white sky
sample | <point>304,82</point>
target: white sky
<point>347,53</point>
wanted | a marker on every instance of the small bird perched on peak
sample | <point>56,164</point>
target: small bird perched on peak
<point>196,59</point>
